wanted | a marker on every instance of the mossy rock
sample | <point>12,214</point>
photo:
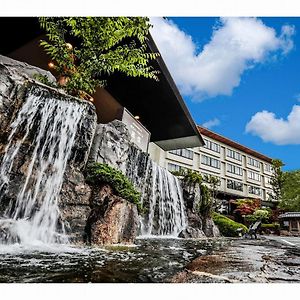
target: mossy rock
<point>97,173</point>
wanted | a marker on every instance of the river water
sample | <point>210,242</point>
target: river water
<point>150,260</point>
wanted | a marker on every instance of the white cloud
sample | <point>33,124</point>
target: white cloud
<point>276,130</point>
<point>211,123</point>
<point>236,45</point>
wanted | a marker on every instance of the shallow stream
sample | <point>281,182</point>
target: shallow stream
<point>151,260</point>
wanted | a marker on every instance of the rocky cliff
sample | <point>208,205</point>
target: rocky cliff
<point>198,225</point>
<point>88,213</point>
<point>78,204</point>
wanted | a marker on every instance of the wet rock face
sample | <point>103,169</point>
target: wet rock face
<point>16,78</point>
<point>210,228</point>
<point>112,219</point>
<point>191,232</point>
<point>199,226</point>
<point>192,196</point>
<point>74,204</point>
<point>111,145</point>
<point>13,75</point>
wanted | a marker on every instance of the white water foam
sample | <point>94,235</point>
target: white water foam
<point>33,218</point>
<point>161,195</point>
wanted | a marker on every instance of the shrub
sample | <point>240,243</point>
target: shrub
<point>246,206</point>
<point>273,226</point>
<point>259,214</point>
<point>227,226</point>
<point>103,173</point>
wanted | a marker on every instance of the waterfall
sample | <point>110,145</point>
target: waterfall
<point>161,195</point>
<point>40,143</point>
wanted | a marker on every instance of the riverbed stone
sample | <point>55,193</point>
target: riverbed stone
<point>191,232</point>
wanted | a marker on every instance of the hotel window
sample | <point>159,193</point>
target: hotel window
<point>209,161</point>
<point>268,180</point>
<point>268,168</point>
<point>254,176</point>
<point>211,146</point>
<point>176,168</point>
<point>234,169</point>
<point>183,152</point>
<point>234,185</point>
<point>254,190</point>
<point>234,154</point>
<point>253,162</point>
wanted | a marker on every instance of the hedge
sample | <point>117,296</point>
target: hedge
<point>274,226</point>
<point>227,226</point>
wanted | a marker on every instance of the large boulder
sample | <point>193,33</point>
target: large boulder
<point>210,228</point>
<point>191,232</point>
<point>112,219</point>
<point>22,71</point>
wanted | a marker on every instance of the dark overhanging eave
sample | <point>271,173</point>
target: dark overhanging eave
<point>159,104</point>
<point>173,86</point>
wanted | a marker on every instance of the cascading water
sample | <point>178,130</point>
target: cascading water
<point>49,127</point>
<point>161,195</point>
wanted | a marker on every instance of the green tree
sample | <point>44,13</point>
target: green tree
<point>213,183</point>
<point>102,46</point>
<point>277,179</point>
<point>291,191</point>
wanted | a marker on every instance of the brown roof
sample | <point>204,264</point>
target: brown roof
<point>233,144</point>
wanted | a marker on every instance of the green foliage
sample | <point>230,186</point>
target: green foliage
<point>191,177</point>
<point>204,207</point>
<point>262,214</point>
<point>273,226</point>
<point>176,173</point>
<point>103,46</point>
<point>227,226</point>
<point>277,179</point>
<point>259,214</point>
<point>246,206</point>
<point>44,79</point>
<point>208,187</point>
<point>102,173</point>
<point>291,191</point>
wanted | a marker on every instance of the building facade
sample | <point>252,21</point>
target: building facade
<point>242,172</point>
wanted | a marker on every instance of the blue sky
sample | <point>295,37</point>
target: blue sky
<point>239,77</point>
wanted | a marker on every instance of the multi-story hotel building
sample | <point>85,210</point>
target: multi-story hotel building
<point>242,172</point>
